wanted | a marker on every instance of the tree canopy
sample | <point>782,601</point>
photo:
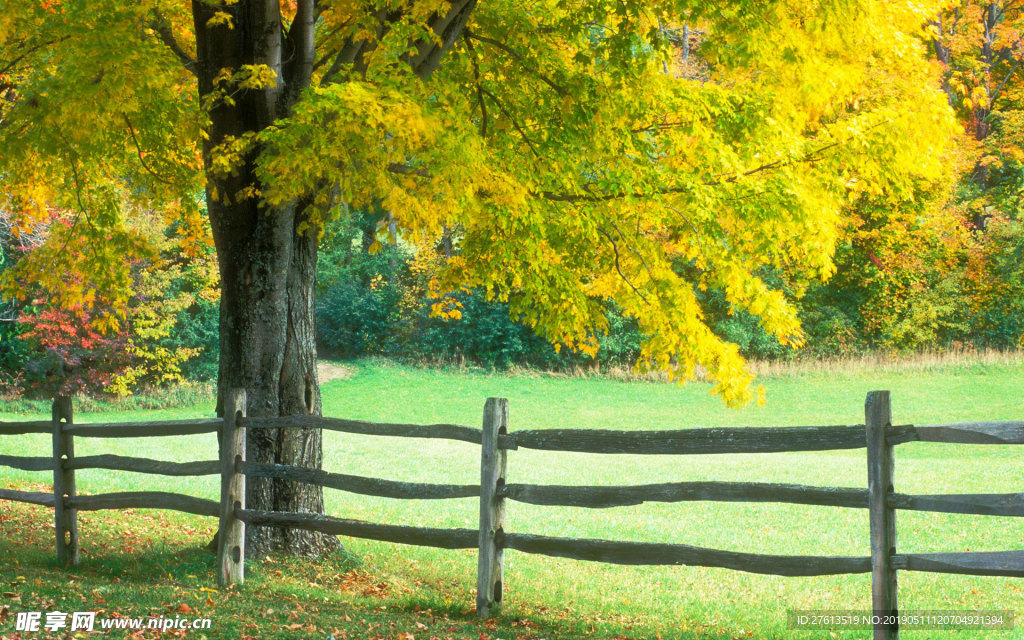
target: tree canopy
<point>577,151</point>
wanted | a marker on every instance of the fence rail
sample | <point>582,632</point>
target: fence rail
<point>653,553</point>
<point>18,428</point>
<point>601,497</point>
<point>145,500</point>
<point>877,435</point>
<point>145,465</point>
<point>694,441</point>
<point>359,484</point>
<point>968,433</point>
<point>31,497</point>
<point>994,504</point>
<point>977,563</point>
<point>396,430</point>
<point>145,429</point>
<point>26,463</point>
<point>402,534</point>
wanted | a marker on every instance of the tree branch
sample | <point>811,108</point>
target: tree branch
<point>643,261</point>
<point>518,56</point>
<point>162,27</point>
<point>142,158</point>
<point>659,126</point>
<point>618,265</point>
<point>301,41</point>
<point>78,197</point>
<point>732,178</point>
<point>339,62</point>
<point>448,28</point>
<point>479,87</point>
<point>332,53</point>
<point>1009,74</point>
<point>504,111</point>
<point>37,47</point>
<point>696,233</point>
<point>406,170</point>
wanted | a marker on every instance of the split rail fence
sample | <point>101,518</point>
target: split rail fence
<point>877,435</point>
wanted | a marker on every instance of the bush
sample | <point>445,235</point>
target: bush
<point>997,281</point>
<point>15,352</point>
<point>354,321</point>
<point>484,335</point>
<point>832,332</point>
<point>745,331</point>
<point>378,304</point>
<point>71,354</point>
<point>197,326</point>
<point>81,333</point>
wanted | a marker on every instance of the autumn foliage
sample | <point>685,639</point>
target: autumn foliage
<point>74,339</point>
<point>711,176</point>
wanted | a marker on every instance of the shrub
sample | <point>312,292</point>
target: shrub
<point>198,327</point>
<point>996,274</point>
<point>354,321</point>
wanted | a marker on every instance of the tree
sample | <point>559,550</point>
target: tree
<point>569,157</point>
<point>981,48</point>
<point>86,346</point>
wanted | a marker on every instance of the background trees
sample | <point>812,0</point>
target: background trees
<point>60,336</point>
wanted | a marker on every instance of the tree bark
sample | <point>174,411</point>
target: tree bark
<point>941,47</point>
<point>980,113</point>
<point>267,268</point>
<point>267,271</point>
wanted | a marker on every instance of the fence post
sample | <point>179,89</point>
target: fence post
<point>877,418</point>
<point>231,539</point>
<point>65,519</point>
<point>490,567</point>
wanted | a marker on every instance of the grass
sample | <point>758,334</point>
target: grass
<point>184,398</point>
<point>386,591</point>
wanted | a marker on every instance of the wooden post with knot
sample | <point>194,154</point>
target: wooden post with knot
<point>493,460</point>
<point>65,518</point>
<point>231,539</point>
<point>881,458</point>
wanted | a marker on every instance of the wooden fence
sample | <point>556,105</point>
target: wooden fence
<point>878,436</point>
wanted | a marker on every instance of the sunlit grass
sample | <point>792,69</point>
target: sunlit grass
<point>569,599</point>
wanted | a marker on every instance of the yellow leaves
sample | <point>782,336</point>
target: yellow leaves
<point>809,110</point>
<point>446,309</point>
<point>249,192</point>
<point>995,161</point>
<point>107,322</point>
<point>228,81</point>
<point>1014,152</point>
<point>228,156</point>
<point>221,18</point>
<point>678,340</point>
<point>255,76</point>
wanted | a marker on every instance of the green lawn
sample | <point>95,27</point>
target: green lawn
<point>545,597</point>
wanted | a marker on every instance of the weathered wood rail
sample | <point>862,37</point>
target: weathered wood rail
<point>878,436</point>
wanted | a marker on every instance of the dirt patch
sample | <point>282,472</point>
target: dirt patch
<point>327,371</point>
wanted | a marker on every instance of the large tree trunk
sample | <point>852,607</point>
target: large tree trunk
<point>268,348</point>
<point>268,268</point>
<point>267,271</point>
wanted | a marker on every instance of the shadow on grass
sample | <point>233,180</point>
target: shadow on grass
<point>154,564</point>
